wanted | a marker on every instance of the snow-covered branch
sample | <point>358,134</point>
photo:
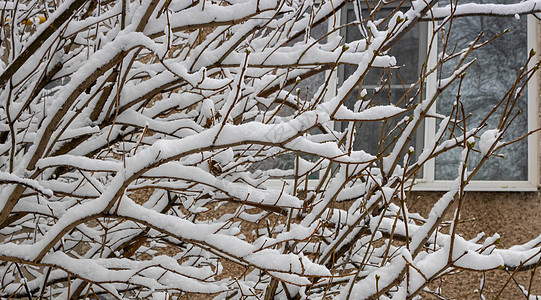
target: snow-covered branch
<point>243,148</point>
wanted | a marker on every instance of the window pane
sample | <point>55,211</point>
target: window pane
<point>485,84</point>
<point>407,53</point>
<point>305,90</point>
<point>309,86</point>
<point>386,86</point>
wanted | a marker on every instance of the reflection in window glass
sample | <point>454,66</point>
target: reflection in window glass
<point>485,83</point>
<point>305,90</point>
<point>308,87</point>
<point>386,86</point>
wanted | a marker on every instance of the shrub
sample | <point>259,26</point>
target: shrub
<point>134,129</point>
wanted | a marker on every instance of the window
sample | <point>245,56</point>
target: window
<point>487,80</point>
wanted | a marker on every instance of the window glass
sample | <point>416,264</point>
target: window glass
<point>486,82</point>
<point>305,90</point>
<point>386,86</point>
<point>308,87</point>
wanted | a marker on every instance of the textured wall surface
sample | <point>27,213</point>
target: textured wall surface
<point>516,217</point>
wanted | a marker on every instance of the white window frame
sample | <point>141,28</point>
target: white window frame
<point>428,182</point>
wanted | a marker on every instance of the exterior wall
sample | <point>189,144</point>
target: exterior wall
<point>513,215</point>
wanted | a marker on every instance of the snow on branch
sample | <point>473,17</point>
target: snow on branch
<point>244,149</point>
<point>486,9</point>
